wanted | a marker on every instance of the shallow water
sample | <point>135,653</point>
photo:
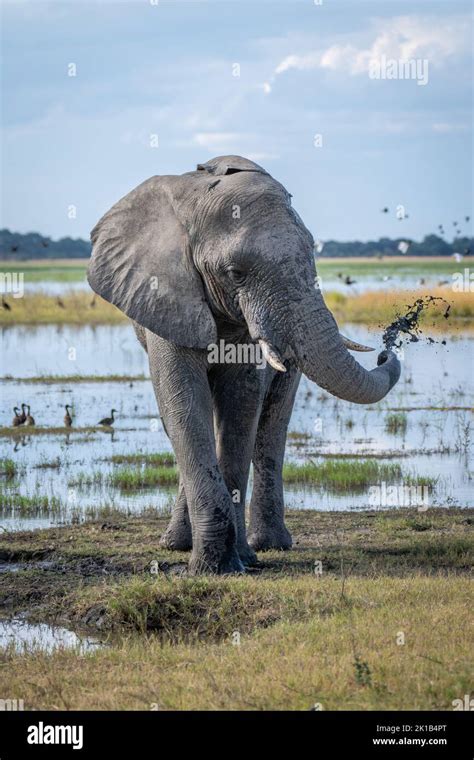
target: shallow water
<point>23,636</point>
<point>438,442</point>
<point>367,277</point>
<point>70,350</point>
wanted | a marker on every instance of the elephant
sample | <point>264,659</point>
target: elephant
<point>219,257</point>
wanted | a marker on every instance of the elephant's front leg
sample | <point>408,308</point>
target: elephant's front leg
<point>177,535</point>
<point>267,528</point>
<point>182,389</point>
<point>238,391</point>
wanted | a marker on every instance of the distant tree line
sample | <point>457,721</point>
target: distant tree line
<point>17,247</point>
<point>431,245</point>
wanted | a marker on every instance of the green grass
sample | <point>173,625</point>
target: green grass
<point>8,469</point>
<point>74,307</point>
<point>371,308</point>
<point>29,505</point>
<point>396,423</point>
<point>344,656</point>
<point>393,453</point>
<point>165,459</point>
<point>68,379</point>
<point>48,270</point>
<point>400,266</point>
<point>53,464</point>
<point>419,480</point>
<point>340,475</point>
<point>282,638</point>
<point>86,479</point>
<point>133,479</point>
<point>74,270</point>
<point>160,470</point>
<point>381,308</point>
<point>293,435</point>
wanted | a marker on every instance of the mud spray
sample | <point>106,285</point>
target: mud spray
<point>409,323</point>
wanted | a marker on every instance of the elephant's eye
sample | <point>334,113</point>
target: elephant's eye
<point>238,276</point>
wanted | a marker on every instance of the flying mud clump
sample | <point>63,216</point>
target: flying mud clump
<point>409,323</point>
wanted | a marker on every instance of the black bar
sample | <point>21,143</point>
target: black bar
<point>149,734</point>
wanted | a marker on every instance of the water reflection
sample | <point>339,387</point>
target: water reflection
<point>23,636</point>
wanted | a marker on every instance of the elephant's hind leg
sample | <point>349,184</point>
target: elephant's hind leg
<point>267,528</point>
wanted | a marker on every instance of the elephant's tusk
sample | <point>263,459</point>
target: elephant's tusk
<point>352,346</point>
<point>272,356</point>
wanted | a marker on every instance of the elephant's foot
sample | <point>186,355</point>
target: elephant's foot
<point>208,561</point>
<point>247,555</point>
<point>263,538</point>
<point>177,536</point>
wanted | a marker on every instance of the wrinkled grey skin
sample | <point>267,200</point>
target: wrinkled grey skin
<point>219,253</point>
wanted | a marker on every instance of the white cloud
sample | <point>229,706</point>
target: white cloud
<point>400,37</point>
<point>301,62</point>
<point>445,128</point>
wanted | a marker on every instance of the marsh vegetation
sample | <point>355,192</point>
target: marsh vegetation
<point>82,510</point>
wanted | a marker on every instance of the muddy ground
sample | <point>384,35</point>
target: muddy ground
<point>61,575</point>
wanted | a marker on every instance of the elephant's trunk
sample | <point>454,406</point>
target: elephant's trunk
<point>311,332</point>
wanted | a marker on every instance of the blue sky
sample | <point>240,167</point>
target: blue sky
<point>167,69</point>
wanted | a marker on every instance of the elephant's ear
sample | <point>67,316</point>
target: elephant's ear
<point>223,165</point>
<point>142,263</point>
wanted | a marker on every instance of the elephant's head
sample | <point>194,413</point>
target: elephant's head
<point>223,242</point>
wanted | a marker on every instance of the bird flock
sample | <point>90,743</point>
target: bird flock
<point>24,418</point>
